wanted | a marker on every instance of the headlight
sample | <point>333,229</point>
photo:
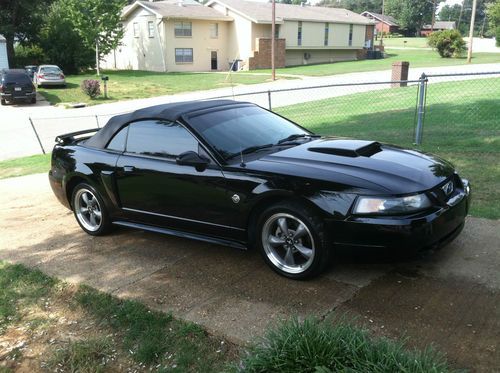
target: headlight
<point>375,205</point>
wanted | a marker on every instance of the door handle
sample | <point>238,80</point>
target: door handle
<point>128,168</point>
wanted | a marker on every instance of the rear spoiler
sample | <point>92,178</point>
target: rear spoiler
<point>70,138</point>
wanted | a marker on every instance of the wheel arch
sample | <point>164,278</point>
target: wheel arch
<point>71,183</point>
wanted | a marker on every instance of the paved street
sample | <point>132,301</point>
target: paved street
<point>450,298</point>
<point>17,138</point>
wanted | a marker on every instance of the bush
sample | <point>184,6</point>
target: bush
<point>28,55</point>
<point>497,36</point>
<point>91,88</point>
<point>449,43</point>
<point>314,346</point>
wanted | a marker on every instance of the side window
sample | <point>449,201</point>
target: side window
<point>159,138</point>
<point>119,140</point>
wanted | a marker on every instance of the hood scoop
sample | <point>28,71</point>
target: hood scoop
<point>348,148</point>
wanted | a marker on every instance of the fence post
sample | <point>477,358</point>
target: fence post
<point>420,109</point>
<point>269,99</point>
<point>36,134</point>
<point>97,121</point>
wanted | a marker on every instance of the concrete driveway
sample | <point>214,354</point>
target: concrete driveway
<point>450,298</point>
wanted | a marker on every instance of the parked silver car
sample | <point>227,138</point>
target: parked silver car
<point>49,75</point>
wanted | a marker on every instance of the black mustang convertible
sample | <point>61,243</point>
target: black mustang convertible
<point>236,174</point>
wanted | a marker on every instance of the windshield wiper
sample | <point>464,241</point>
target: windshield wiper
<point>296,136</point>
<point>250,149</point>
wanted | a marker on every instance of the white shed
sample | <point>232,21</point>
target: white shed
<point>4,62</point>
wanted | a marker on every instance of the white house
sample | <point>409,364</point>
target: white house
<point>4,62</point>
<point>183,35</point>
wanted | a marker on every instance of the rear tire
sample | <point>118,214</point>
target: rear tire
<point>90,210</point>
<point>292,240</point>
<point>3,102</point>
<point>33,100</point>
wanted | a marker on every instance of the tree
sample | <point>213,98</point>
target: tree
<point>357,6</point>
<point>57,34</point>
<point>493,13</point>
<point>450,13</point>
<point>411,14</point>
<point>98,23</point>
<point>20,19</point>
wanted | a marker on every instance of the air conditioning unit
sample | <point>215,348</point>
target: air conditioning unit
<point>307,56</point>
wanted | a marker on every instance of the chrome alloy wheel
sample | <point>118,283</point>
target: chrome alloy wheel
<point>88,210</point>
<point>288,243</point>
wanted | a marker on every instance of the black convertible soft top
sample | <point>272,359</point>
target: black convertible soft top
<point>170,112</point>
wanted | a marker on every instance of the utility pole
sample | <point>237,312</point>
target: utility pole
<point>433,15</point>
<point>273,31</point>
<point>97,57</point>
<point>460,16</point>
<point>382,32</point>
<point>471,30</point>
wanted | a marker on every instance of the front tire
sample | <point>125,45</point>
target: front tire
<point>90,210</point>
<point>3,102</point>
<point>293,241</point>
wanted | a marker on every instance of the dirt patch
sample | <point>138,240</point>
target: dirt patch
<point>30,343</point>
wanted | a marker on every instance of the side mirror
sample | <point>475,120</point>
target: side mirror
<point>191,158</point>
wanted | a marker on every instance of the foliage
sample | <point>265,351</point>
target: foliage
<point>314,346</point>
<point>493,12</point>
<point>449,43</point>
<point>357,6</point>
<point>91,88</point>
<point>57,34</point>
<point>461,14</point>
<point>21,19</point>
<point>411,14</point>
<point>28,55</point>
<point>97,22</point>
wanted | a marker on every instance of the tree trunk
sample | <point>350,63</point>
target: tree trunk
<point>11,54</point>
<point>97,67</point>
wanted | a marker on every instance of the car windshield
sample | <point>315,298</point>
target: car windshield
<point>235,130</point>
<point>50,70</point>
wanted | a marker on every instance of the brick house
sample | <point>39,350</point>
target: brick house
<point>384,23</point>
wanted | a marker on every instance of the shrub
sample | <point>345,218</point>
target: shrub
<point>497,36</point>
<point>91,88</point>
<point>314,346</point>
<point>28,55</point>
<point>449,43</point>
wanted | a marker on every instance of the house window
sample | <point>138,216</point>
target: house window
<point>214,30</point>
<point>350,34</point>
<point>136,30</point>
<point>327,30</point>
<point>183,55</point>
<point>276,31</point>
<point>299,34</point>
<point>183,29</point>
<point>151,29</point>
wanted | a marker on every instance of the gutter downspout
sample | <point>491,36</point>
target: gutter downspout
<point>160,22</point>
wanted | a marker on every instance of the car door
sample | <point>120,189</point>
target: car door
<point>153,188</point>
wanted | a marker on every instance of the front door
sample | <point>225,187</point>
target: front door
<point>214,60</point>
<point>154,189</point>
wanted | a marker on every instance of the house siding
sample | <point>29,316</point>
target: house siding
<point>4,62</point>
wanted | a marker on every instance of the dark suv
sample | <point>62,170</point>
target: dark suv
<point>15,84</point>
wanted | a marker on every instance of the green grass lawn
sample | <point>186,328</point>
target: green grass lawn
<point>127,84</point>
<point>25,166</point>
<point>410,42</point>
<point>461,125</point>
<point>417,58</point>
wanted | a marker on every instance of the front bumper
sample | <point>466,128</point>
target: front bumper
<point>417,232</point>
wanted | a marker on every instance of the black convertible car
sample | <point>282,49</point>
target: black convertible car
<point>236,174</point>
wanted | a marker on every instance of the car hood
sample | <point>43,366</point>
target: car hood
<point>358,164</point>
